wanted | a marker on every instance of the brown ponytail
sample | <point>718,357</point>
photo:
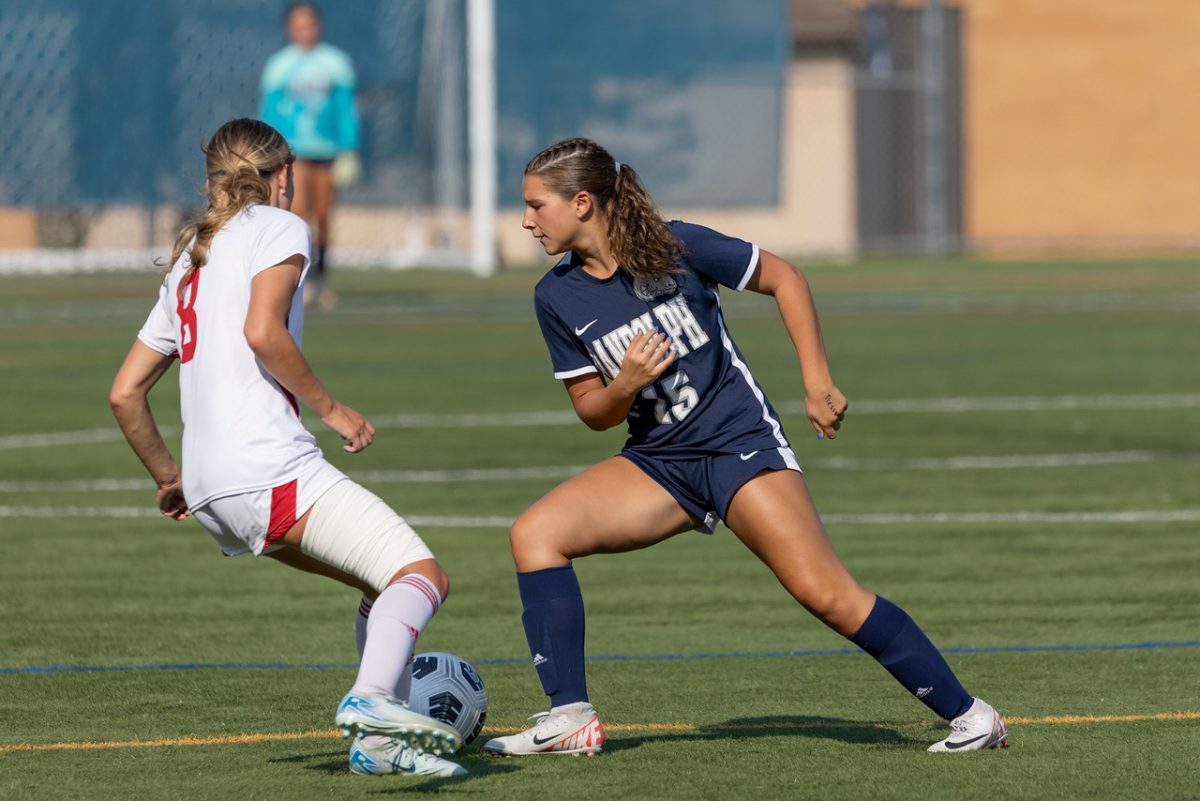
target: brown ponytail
<point>640,238</point>
<point>239,161</point>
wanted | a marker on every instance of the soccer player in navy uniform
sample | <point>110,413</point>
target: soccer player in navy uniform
<point>632,318</point>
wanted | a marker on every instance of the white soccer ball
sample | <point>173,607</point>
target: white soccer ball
<point>449,689</point>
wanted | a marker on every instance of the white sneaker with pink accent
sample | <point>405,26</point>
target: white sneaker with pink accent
<point>568,729</point>
<point>978,728</point>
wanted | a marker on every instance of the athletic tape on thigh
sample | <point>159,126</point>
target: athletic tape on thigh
<point>354,531</point>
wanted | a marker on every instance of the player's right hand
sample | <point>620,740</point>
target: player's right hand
<point>648,356</point>
<point>171,502</point>
<point>355,429</point>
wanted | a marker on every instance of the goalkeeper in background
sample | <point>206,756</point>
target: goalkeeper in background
<point>308,96</point>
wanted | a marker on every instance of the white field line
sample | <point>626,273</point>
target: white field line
<point>567,417</point>
<point>48,440</point>
<point>887,518</point>
<point>1023,461</point>
<point>1018,461</point>
<point>1012,404</point>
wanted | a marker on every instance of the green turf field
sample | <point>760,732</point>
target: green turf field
<point>1019,469</point>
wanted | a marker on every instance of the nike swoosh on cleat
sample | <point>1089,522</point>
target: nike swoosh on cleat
<point>963,743</point>
<point>579,331</point>
<point>538,741</point>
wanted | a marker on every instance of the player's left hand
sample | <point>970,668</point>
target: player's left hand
<point>826,409</point>
<point>171,502</point>
<point>357,432</point>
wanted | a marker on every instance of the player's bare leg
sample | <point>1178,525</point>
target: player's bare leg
<point>578,517</point>
<point>575,519</point>
<point>318,201</point>
<point>773,514</point>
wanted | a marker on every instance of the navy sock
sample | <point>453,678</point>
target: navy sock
<point>897,643</point>
<point>319,264</point>
<point>553,620</point>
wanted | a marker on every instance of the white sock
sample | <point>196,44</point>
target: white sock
<point>404,686</point>
<point>360,625</point>
<point>396,619</point>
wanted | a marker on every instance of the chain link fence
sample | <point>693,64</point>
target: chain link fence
<point>104,105</point>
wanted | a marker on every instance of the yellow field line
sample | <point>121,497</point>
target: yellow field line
<point>329,734</point>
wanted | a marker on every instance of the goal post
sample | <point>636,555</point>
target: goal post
<point>481,91</point>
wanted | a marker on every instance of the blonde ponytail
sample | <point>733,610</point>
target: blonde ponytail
<point>240,160</point>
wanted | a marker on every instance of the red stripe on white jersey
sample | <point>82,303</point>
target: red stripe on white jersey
<point>283,511</point>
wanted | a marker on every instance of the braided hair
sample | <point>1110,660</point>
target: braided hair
<point>640,238</point>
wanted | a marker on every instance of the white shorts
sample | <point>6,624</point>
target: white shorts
<point>353,530</point>
<point>252,522</point>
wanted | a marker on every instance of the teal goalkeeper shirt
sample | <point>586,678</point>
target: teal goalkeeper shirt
<point>308,96</point>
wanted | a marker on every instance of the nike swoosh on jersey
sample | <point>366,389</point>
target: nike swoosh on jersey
<point>745,457</point>
<point>579,331</point>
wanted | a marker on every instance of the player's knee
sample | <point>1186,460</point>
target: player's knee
<point>532,541</point>
<point>842,608</point>
<point>831,605</point>
<point>440,580</point>
<point>428,569</point>
<point>522,535</point>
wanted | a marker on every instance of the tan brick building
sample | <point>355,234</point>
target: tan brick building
<point>1082,124</point>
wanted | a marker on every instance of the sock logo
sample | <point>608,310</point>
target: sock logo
<point>538,659</point>
<point>924,691</point>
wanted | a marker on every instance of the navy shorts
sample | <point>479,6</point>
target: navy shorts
<point>705,486</point>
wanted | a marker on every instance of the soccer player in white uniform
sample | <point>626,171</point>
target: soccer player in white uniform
<point>231,311</point>
<point>631,315</point>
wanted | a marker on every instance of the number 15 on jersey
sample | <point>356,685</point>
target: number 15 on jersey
<point>673,397</point>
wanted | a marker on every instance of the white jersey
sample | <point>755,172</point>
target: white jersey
<point>241,428</point>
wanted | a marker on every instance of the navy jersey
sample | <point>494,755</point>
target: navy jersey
<point>707,402</point>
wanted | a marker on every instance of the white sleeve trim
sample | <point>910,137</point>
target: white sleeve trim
<point>155,347</point>
<point>563,374</point>
<point>749,268</point>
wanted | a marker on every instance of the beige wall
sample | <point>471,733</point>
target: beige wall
<point>1083,120</point>
<point>18,228</point>
<point>1082,123</point>
<point>816,216</point>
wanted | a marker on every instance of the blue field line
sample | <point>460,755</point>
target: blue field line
<point>964,649</point>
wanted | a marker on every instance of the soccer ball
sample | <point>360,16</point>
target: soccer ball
<point>448,689</point>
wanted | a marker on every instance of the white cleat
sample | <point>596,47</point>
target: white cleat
<point>978,728</point>
<point>382,756</point>
<point>568,729</point>
<point>362,715</point>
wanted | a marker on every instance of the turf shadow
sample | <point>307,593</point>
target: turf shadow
<point>333,763</point>
<point>330,762</point>
<point>847,731</point>
<point>478,769</point>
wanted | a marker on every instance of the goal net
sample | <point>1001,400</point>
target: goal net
<point>104,106</point>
